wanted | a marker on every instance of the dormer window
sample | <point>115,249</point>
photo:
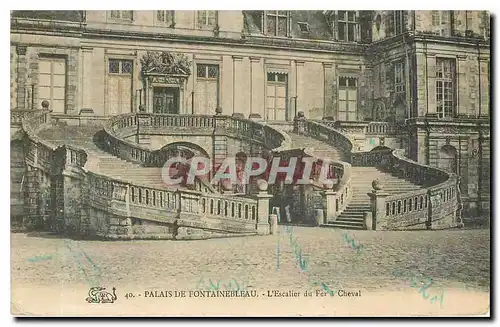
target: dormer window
<point>207,19</point>
<point>121,14</point>
<point>165,18</point>
<point>304,27</point>
<point>347,26</point>
<point>399,22</point>
<point>441,22</point>
<point>277,23</point>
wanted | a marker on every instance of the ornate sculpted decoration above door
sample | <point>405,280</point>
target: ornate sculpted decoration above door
<point>165,63</point>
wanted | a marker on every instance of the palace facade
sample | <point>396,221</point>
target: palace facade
<point>424,76</point>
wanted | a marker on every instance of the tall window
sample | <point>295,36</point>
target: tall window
<point>468,20</point>
<point>119,88</point>
<point>445,87</point>
<point>277,22</point>
<point>207,18</point>
<point>348,98</point>
<point>52,82</point>
<point>207,88</point>
<point>399,77</point>
<point>165,17</point>
<point>347,25</point>
<point>441,22</point>
<point>276,96</point>
<point>399,22</point>
<point>121,14</point>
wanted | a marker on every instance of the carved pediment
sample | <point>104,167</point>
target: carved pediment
<point>165,63</point>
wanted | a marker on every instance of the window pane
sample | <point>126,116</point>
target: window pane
<point>213,71</point>
<point>202,17</point>
<point>127,67</point>
<point>211,17</point>
<point>444,17</point>
<point>114,66</point>
<point>352,16</point>
<point>352,82</point>
<point>282,26</point>
<point>282,12</point>
<point>342,95</point>
<point>115,14</point>
<point>281,77</point>
<point>126,14</point>
<point>342,15</point>
<point>201,70</point>
<point>342,36</point>
<point>271,25</point>
<point>435,18</point>
<point>160,15</point>
<point>342,81</point>
<point>350,31</point>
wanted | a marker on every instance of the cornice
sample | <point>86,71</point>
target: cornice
<point>81,30</point>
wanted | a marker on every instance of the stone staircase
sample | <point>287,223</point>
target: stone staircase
<point>316,147</point>
<point>353,216</point>
<point>102,162</point>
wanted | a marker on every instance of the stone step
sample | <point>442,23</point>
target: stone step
<point>355,212</point>
<point>345,221</point>
<point>349,221</point>
<point>341,226</point>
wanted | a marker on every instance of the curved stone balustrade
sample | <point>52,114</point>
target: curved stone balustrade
<point>17,115</point>
<point>438,204</point>
<point>383,128</point>
<point>338,198</point>
<point>426,207</point>
<point>130,124</point>
<point>126,203</point>
<point>373,128</point>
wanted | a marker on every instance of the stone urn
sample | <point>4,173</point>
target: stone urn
<point>262,185</point>
<point>45,104</point>
<point>226,184</point>
<point>377,185</point>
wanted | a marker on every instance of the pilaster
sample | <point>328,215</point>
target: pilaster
<point>377,204</point>
<point>237,79</point>
<point>328,76</point>
<point>22,76</point>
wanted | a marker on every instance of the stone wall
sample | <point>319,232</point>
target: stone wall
<point>17,168</point>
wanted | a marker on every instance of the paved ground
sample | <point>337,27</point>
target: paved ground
<point>452,258</point>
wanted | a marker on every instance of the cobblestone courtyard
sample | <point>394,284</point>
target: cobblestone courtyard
<point>454,259</point>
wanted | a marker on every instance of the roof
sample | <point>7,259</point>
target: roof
<point>305,24</point>
<point>61,15</point>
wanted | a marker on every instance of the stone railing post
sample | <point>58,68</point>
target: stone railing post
<point>273,218</point>
<point>299,123</point>
<point>219,140</point>
<point>330,207</point>
<point>319,217</point>
<point>377,203</point>
<point>263,208</point>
